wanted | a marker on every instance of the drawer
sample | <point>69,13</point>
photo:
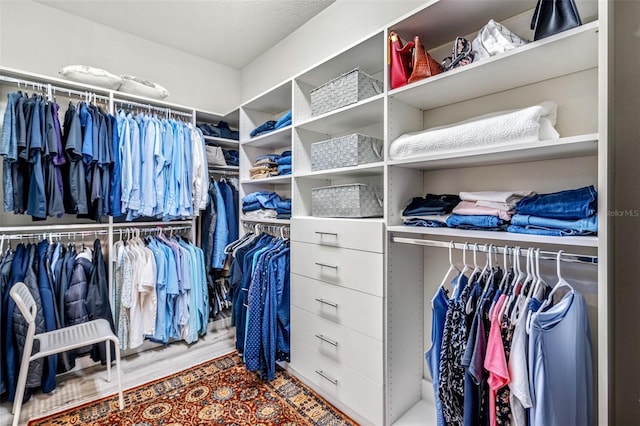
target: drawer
<point>359,234</point>
<point>354,309</point>
<point>359,270</point>
<point>341,344</point>
<point>335,381</point>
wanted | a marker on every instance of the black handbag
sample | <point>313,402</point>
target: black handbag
<point>554,16</point>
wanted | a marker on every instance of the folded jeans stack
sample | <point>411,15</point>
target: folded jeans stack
<point>284,209</point>
<point>271,125</point>
<point>284,163</point>
<point>565,213</point>
<point>222,130</point>
<point>231,156</point>
<point>430,211</point>
<point>260,200</point>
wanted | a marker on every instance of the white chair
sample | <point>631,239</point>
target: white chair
<point>57,341</point>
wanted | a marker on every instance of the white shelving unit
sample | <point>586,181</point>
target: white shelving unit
<point>570,69</point>
<point>270,105</point>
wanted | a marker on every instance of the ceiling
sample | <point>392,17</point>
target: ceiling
<point>229,32</point>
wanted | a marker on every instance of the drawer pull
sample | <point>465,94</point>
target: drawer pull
<point>326,302</point>
<point>335,234</point>
<point>324,375</point>
<point>324,265</point>
<point>329,341</point>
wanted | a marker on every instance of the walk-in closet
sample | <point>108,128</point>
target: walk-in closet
<point>385,213</point>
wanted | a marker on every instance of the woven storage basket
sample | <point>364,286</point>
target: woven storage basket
<point>345,151</point>
<point>351,200</point>
<point>347,89</point>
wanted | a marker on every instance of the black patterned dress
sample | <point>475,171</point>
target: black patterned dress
<point>454,341</point>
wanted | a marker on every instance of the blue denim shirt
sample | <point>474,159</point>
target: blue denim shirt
<point>186,199</point>
<point>221,235</point>
<point>148,195</point>
<point>159,166</point>
<point>37,200</point>
<point>136,169</point>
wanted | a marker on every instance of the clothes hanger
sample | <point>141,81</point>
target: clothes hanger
<point>522,275</point>
<point>452,266</point>
<point>465,268</point>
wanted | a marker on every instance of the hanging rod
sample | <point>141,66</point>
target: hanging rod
<point>45,235</point>
<point>44,228</point>
<point>155,230</point>
<point>545,255</point>
<point>224,172</point>
<point>52,87</point>
<point>147,224</point>
<point>165,110</point>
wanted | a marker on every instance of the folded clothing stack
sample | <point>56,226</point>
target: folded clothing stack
<point>284,163</point>
<point>565,213</point>
<point>269,165</point>
<point>485,210</point>
<point>222,130</point>
<point>430,211</point>
<point>231,156</point>
<point>264,166</point>
<point>261,205</point>
<point>271,125</point>
<point>284,208</point>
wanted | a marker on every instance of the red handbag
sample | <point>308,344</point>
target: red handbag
<point>399,60</point>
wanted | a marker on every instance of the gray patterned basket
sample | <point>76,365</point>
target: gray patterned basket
<point>351,200</point>
<point>347,89</point>
<point>345,151</point>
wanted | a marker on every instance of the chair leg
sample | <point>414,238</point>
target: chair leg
<point>119,374</point>
<point>22,382</point>
<point>107,345</point>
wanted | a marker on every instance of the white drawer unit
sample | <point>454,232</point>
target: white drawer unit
<point>359,311</point>
<point>359,270</point>
<point>337,382</point>
<point>354,234</point>
<point>341,344</point>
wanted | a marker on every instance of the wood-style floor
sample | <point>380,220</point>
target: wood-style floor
<point>88,381</point>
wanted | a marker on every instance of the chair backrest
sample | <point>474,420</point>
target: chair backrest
<point>25,302</point>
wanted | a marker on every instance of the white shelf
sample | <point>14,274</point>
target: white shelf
<point>223,142</point>
<point>574,146</point>
<point>367,56</point>
<point>591,241</point>
<point>562,54</point>
<point>275,139</point>
<point>371,169</point>
<point>329,219</point>
<point>423,413</point>
<point>275,180</point>
<point>224,168</point>
<point>232,118</point>
<point>273,101</point>
<point>354,116</point>
<point>268,221</point>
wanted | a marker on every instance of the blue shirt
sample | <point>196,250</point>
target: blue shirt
<point>148,196</point>
<point>136,169</point>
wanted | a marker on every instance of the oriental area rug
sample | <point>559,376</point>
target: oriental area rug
<point>217,392</point>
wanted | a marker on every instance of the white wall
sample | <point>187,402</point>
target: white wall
<point>335,28</point>
<point>41,39</point>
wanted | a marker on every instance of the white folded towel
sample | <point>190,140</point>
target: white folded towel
<point>507,197</point>
<point>531,124</point>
